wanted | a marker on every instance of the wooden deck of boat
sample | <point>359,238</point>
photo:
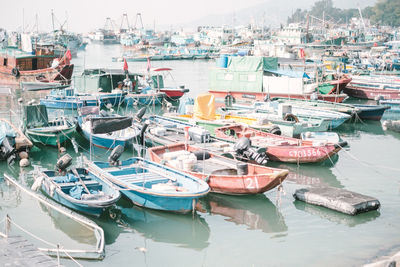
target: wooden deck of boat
<point>17,251</point>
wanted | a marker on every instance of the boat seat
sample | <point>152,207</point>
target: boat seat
<point>88,183</point>
<point>140,177</point>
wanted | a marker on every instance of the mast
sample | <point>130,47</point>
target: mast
<point>23,20</point>
<point>37,23</point>
<point>52,18</point>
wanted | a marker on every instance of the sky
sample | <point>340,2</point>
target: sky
<point>87,15</point>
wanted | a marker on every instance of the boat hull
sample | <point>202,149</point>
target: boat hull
<point>50,138</point>
<point>173,94</point>
<point>180,202</point>
<point>143,99</point>
<point>260,96</point>
<point>371,112</point>
<point>230,184</point>
<point>372,93</point>
<point>60,75</point>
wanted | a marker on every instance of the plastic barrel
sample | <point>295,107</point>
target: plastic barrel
<point>222,61</point>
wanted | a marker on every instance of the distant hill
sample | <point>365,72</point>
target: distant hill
<point>273,13</point>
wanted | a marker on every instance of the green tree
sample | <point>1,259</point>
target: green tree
<point>387,12</point>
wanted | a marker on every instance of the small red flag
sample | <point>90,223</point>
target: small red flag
<point>148,64</point>
<point>68,55</point>
<point>125,65</point>
<point>302,53</point>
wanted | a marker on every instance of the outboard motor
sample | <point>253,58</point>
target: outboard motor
<point>115,154</point>
<point>63,163</point>
<point>8,150</point>
<point>142,131</point>
<point>243,149</point>
<point>139,115</point>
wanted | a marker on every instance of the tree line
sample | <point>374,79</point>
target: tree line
<point>384,12</point>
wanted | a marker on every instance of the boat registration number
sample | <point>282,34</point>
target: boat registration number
<point>305,153</point>
<point>251,183</point>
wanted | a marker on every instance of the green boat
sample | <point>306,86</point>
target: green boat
<point>40,130</point>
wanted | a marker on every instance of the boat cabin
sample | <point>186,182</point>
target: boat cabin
<point>14,58</point>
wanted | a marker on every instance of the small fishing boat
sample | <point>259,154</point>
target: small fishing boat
<point>276,111</point>
<point>41,130</point>
<point>172,93</point>
<point>148,98</point>
<point>107,130</point>
<point>12,141</point>
<point>364,112</point>
<point>321,137</point>
<point>224,175</point>
<point>280,148</point>
<point>77,189</point>
<point>372,87</point>
<point>204,115</point>
<point>152,185</point>
<point>66,99</point>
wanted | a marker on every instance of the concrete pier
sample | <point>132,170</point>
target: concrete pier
<point>17,251</point>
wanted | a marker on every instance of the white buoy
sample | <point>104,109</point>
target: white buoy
<point>24,163</point>
<point>23,155</point>
<point>63,150</point>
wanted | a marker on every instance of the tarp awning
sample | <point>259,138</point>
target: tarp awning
<point>204,107</point>
<point>36,116</point>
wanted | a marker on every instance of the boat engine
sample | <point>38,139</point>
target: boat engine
<point>115,154</point>
<point>63,163</point>
<point>8,150</point>
<point>139,115</point>
<point>244,150</point>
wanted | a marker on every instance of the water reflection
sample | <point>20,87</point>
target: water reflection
<point>257,212</point>
<point>310,175</point>
<point>10,196</point>
<point>352,129</point>
<point>335,216</point>
<point>189,231</point>
<point>70,227</point>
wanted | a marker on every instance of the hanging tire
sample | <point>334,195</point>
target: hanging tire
<point>276,130</point>
<point>290,117</point>
<point>229,100</point>
<point>15,72</point>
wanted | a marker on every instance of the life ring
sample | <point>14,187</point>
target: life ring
<point>229,100</point>
<point>276,130</point>
<point>290,117</point>
<point>15,72</point>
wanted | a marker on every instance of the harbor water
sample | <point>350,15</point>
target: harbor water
<point>271,229</point>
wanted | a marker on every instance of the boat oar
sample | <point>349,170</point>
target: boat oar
<point>75,172</point>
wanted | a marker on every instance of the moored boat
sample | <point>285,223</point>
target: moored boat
<point>12,141</point>
<point>42,66</point>
<point>106,130</point>
<point>153,185</point>
<point>77,189</point>
<point>279,148</point>
<point>224,175</point>
<point>43,131</point>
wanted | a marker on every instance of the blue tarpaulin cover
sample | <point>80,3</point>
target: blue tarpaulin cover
<point>6,130</point>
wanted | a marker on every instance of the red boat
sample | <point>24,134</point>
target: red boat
<point>17,66</point>
<point>171,93</point>
<point>224,175</point>
<point>372,93</point>
<point>280,148</point>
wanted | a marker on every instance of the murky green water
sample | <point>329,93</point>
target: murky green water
<point>264,230</point>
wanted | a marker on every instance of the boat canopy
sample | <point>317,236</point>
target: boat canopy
<point>204,107</point>
<point>289,73</point>
<point>35,116</point>
<point>109,124</point>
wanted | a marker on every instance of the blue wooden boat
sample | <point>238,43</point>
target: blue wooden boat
<point>67,189</point>
<point>106,130</point>
<point>153,185</point>
<point>115,98</point>
<point>67,99</point>
<point>371,112</point>
<point>144,99</point>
